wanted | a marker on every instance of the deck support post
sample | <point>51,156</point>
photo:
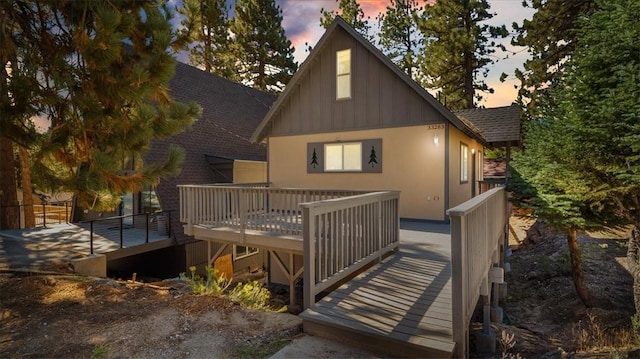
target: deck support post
<point>308,245</point>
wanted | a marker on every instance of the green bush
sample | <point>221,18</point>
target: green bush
<point>214,284</point>
<point>251,295</point>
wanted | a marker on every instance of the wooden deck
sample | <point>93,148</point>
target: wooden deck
<point>400,307</point>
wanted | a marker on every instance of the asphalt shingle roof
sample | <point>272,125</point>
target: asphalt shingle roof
<point>498,125</point>
<point>230,114</point>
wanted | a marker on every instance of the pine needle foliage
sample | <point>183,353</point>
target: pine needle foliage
<point>103,70</point>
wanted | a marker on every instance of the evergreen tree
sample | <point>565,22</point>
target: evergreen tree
<point>583,159</point>
<point>551,37</point>
<point>458,50</point>
<point>264,54</point>
<point>206,27</point>
<point>351,12</point>
<point>102,75</point>
<point>399,37</point>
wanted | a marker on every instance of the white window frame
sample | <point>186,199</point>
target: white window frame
<point>342,164</point>
<point>464,163</point>
<point>343,76</point>
<point>250,251</point>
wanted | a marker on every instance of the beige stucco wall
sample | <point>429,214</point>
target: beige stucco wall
<point>412,163</point>
<point>460,192</point>
<point>249,171</point>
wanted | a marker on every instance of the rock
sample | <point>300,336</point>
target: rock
<point>538,232</point>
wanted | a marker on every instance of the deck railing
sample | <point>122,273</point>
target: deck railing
<point>44,213</point>
<point>342,230</point>
<point>345,234</point>
<point>478,228</point>
<point>249,207</point>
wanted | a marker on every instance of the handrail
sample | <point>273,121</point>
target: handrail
<point>343,235</point>
<point>101,227</point>
<point>44,213</point>
<point>478,228</point>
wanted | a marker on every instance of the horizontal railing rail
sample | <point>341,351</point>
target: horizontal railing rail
<point>44,213</point>
<point>130,230</point>
<point>478,228</point>
<point>343,235</point>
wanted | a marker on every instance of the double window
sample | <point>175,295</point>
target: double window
<point>352,156</point>
<point>240,252</point>
<point>343,157</point>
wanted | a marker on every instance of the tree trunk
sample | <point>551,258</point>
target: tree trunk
<point>27,188</point>
<point>9,210</point>
<point>576,268</point>
<point>633,262</point>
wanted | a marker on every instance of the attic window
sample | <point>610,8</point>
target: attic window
<point>343,74</point>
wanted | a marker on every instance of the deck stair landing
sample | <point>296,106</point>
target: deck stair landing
<point>400,307</point>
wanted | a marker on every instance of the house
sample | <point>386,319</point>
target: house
<point>350,118</point>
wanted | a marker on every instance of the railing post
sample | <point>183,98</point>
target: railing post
<point>242,208</point>
<point>459,284</point>
<point>146,228</point>
<point>66,212</point>
<point>121,239</point>
<point>91,236</point>
<point>309,248</point>
<point>379,204</point>
<point>169,223</point>
<point>44,215</point>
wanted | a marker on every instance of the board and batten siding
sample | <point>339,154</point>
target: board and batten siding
<point>411,163</point>
<point>379,98</point>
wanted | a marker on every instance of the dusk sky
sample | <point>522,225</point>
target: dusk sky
<point>301,21</point>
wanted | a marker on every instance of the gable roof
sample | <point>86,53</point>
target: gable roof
<point>498,126</point>
<point>262,130</point>
<point>230,113</point>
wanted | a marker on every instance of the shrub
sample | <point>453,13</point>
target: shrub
<point>251,295</point>
<point>214,284</point>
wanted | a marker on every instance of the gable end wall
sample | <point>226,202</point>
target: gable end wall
<point>379,98</point>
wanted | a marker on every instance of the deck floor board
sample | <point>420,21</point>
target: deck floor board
<point>405,299</point>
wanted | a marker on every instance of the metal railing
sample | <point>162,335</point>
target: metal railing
<point>44,213</point>
<point>130,230</point>
<point>478,229</point>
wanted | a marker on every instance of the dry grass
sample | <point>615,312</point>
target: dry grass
<point>591,335</point>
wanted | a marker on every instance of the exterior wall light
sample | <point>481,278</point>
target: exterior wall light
<point>436,140</point>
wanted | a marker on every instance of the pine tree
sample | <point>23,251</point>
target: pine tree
<point>373,157</point>
<point>458,50</point>
<point>583,156</point>
<point>314,159</point>
<point>206,28</point>
<point>550,37</point>
<point>351,12</point>
<point>103,70</point>
<point>399,37</point>
<point>264,54</point>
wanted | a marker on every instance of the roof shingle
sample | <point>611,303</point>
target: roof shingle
<point>498,125</point>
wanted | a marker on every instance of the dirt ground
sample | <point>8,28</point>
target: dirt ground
<point>546,316</point>
<point>67,316</point>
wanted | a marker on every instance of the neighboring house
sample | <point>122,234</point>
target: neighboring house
<point>351,119</point>
<point>217,149</point>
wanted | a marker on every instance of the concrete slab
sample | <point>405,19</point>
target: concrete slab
<point>312,347</point>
